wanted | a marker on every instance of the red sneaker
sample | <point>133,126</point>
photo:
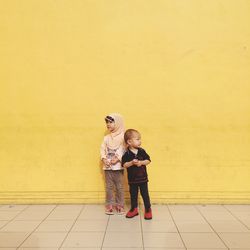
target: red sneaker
<point>148,214</point>
<point>132,213</point>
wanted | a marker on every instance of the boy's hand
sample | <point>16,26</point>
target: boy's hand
<point>137,163</point>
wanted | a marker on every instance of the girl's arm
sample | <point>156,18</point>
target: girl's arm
<point>103,153</point>
<point>103,150</point>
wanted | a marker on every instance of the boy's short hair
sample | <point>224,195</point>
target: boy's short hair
<point>129,134</point>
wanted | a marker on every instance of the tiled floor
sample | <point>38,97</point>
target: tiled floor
<point>72,227</point>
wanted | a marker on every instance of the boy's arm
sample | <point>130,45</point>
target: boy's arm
<point>128,164</point>
<point>145,162</point>
<point>125,162</point>
<point>146,159</point>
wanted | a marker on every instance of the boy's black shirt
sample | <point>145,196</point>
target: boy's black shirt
<point>136,174</point>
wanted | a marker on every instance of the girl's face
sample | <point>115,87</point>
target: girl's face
<point>135,141</point>
<point>110,126</point>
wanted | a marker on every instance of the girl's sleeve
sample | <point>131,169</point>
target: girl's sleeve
<point>103,150</point>
<point>120,151</point>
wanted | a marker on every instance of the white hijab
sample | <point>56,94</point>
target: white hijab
<point>116,137</point>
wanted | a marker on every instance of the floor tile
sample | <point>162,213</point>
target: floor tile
<point>217,215</point>
<point>94,208</point>
<point>236,240</point>
<point>55,226</point>
<point>122,239</point>
<point>182,208</point>
<point>207,249</point>
<point>63,215</point>
<point>41,207</point>
<point>211,208</point>
<point>44,240</point>
<point>246,222</point>
<point>33,215</point>
<point>12,239</point>
<point>228,226</point>
<point>186,215</point>
<point>164,240</point>
<point>3,223</point>
<point>192,226</point>
<point>242,215</point>
<point>20,226</point>
<point>119,248</point>
<point>116,217</point>
<point>80,248</point>
<point>160,212</point>
<point>84,239</point>
<point>37,248</point>
<point>7,248</point>
<point>93,212</point>
<point>69,207</point>
<point>238,208</point>
<point>164,248</point>
<point>167,226</point>
<point>124,225</point>
<point>8,215</point>
<point>89,226</point>
<point>201,240</point>
<point>13,207</point>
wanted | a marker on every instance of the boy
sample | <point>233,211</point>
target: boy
<point>135,160</point>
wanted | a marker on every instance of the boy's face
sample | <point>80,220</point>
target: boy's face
<point>135,141</point>
<point>110,126</point>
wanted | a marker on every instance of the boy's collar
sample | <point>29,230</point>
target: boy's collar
<point>132,151</point>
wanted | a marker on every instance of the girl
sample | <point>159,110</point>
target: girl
<point>112,149</point>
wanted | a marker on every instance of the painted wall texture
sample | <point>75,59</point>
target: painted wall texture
<point>178,71</point>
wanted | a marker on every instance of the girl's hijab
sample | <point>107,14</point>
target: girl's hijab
<point>118,133</point>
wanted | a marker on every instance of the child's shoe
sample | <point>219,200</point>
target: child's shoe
<point>120,210</point>
<point>148,214</point>
<point>109,210</point>
<point>132,213</point>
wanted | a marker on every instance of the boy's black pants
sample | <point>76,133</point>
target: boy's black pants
<point>133,189</point>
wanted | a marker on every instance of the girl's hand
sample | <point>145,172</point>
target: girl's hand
<point>106,162</point>
<point>114,160</point>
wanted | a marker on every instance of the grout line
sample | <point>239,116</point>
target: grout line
<point>236,218</point>
<point>83,208</point>
<point>105,230</point>
<point>13,217</point>
<point>140,214</point>
<point>176,227</point>
<point>211,226</point>
<point>37,226</point>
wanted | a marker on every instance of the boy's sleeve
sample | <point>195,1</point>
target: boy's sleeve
<point>145,155</point>
<point>103,150</point>
<point>124,159</point>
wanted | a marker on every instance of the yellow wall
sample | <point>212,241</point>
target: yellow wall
<point>177,70</point>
